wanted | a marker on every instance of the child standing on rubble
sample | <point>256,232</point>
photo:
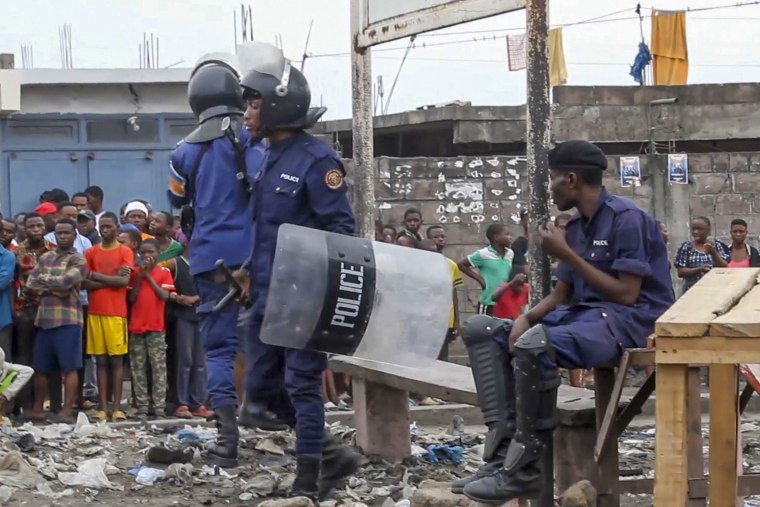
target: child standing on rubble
<point>12,378</point>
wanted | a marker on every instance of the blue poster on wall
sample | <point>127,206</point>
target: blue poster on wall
<point>630,172</point>
<point>678,168</point>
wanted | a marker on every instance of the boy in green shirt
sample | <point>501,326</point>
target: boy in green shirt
<point>493,264</point>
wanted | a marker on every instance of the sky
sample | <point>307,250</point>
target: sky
<point>466,62</point>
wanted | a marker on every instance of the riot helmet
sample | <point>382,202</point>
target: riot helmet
<point>214,95</point>
<point>283,89</point>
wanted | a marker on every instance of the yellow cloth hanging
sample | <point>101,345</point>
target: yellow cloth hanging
<point>669,51</point>
<point>557,67</point>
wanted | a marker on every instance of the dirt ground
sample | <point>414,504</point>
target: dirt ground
<point>266,466</point>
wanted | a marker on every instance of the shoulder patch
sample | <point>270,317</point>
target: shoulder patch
<point>176,181</point>
<point>334,179</point>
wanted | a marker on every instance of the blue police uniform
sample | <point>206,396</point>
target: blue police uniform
<point>619,238</point>
<point>301,183</point>
<point>222,230</point>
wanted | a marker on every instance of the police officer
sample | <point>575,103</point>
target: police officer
<point>302,183</point>
<point>614,268</point>
<point>208,172</point>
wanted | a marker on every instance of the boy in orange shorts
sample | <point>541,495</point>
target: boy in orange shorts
<point>110,265</point>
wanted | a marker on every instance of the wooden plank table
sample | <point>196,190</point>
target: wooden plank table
<point>717,323</point>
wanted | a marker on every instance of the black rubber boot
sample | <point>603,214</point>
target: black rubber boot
<point>536,388</point>
<point>256,415</point>
<point>307,479</point>
<point>224,451</point>
<point>338,462</point>
<point>495,382</point>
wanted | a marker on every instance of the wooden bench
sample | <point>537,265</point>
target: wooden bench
<point>381,412</point>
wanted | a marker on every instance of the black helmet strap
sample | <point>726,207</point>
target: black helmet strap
<point>240,174</point>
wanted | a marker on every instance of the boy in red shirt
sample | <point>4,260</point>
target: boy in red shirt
<point>511,297</point>
<point>147,329</point>
<point>109,266</point>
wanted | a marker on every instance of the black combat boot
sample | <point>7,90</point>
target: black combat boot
<point>307,479</point>
<point>536,387</point>
<point>494,379</point>
<point>256,415</point>
<point>224,451</point>
<point>338,462</point>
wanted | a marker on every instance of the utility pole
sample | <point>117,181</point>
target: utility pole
<point>363,142</point>
<point>538,141</point>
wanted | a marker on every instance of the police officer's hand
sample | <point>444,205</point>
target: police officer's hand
<point>553,241</point>
<point>243,278</point>
<point>520,326</point>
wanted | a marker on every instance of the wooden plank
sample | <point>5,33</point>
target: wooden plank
<point>454,383</point>
<point>707,350</point>
<point>606,432</point>
<point>742,320</point>
<point>713,295</point>
<point>724,412</point>
<point>642,357</point>
<point>381,414</point>
<point>604,382</point>
<point>671,478</point>
<point>634,406</point>
<point>695,466</point>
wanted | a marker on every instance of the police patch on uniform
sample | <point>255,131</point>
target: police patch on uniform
<point>334,179</point>
<point>176,181</point>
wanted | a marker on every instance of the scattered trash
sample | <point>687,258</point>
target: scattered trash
<point>148,476</point>
<point>182,472</point>
<point>452,452</point>
<point>188,435</point>
<point>16,472</point>
<point>161,454</point>
<point>90,474</point>
<point>456,428</point>
<point>244,497</point>
<point>261,485</point>
<point>268,445</point>
<point>25,442</point>
<point>5,493</point>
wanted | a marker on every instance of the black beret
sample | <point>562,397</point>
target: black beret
<point>577,155</point>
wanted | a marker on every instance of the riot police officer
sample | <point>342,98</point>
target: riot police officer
<point>208,179</point>
<point>302,183</point>
<point>613,284</point>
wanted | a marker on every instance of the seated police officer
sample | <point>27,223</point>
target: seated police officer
<point>301,183</point>
<point>614,268</point>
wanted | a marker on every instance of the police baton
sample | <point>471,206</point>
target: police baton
<point>235,290</point>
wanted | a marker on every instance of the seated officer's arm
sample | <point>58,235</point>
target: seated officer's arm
<point>558,296</point>
<point>177,191</point>
<point>631,261</point>
<point>328,199</point>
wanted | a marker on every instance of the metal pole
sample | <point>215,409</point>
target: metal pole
<point>538,141</point>
<point>363,145</point>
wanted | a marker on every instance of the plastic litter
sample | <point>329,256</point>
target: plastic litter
<point>183,472</point>
<point>148,476</point>
<point>452,452</point>
<point>5,493</point>
<point>90,474</point>
<point>188,435</point>
<point>16,472</point>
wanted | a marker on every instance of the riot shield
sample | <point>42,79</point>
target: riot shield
<point>355,297</point>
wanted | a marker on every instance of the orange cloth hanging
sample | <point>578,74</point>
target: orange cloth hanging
<point>669,50</point>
